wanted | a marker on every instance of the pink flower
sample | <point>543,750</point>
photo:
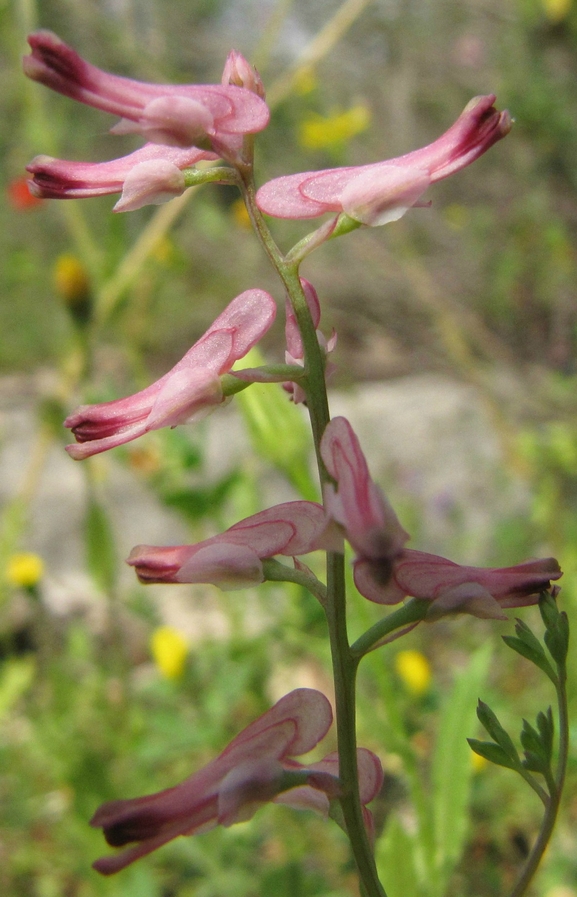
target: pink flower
<point>150,175</point>
<point>356,503</point>
<point>480,591</point>
<point>233,559</point>
<point>256,767</point>
<point>213,116</point>
<point>386,572</point>
<point>240,72</point>
<point>382,192</point>
<point>190,389</point>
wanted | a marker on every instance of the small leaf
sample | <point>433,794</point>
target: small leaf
<point>491,724</point>
<point>557,642</point>
<point>492,752</point>
<point>546,730</point>
<point>534,763</point>
<point>549,610</point>
<point>531,741</point>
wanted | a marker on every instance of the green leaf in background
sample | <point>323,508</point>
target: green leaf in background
<point>396,860</point>
<point>278,430</point>
<point>452,768</point>
<point>101,556</point>
<point>16,676</point>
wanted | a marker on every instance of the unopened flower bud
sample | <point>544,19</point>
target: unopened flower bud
<point>239,72</point>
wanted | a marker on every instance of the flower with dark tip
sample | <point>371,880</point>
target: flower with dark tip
<point>210,116</point>
<point>256,767</point>
<point>382,192</point>
<point>190,390</point>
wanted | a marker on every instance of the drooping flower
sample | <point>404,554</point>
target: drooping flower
<point>382,192</point>
<point>233,559</point>
<point>211,116</point>
<point>256,767</point>
<point>386,572</point>
<point>356,503</point>
<point>192,388</point>
<point>148,176</point>
<point>480,591</point>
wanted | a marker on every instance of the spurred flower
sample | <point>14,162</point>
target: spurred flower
<point>382,192</point>
<point>233,559</point>
<point>212,116</point>
<point>148,176</point>
<point>192,388</point>
<point>480,591</point>
<point>256,767</point>
<point>356,503</point>
<point>386,572</point>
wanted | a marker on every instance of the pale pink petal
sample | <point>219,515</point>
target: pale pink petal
<point>378,193</point>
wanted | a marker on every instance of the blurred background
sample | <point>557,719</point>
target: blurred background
<point>457,331</point>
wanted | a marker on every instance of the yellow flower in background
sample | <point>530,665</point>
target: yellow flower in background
<point>414,670</point>
<point>328,132</point>
<point>25,569</point>
<point>557,10</point>
<point>169,650</point>
<point>477,762</point>
<point>240,214</point>
<point>71,279</point>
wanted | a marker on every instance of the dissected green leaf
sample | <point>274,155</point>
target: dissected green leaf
<point>491,724</point>
<point>492,752</point>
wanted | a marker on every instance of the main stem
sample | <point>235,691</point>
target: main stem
<point>344,665</point>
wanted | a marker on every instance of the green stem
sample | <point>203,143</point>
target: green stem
<point>344,676</point>
<point>344,664</point>
<point>409,614</point>
<point>274,571</point>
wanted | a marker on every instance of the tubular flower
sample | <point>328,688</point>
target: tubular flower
<point>148,176</point>
<point>256,767</point>
<point>386,572</point>
<point>480,591</point>
<point>212,116</point>
<point>192,388</point>
<point>356,503</point>
<point>382,192</point>
<point>233,559</point>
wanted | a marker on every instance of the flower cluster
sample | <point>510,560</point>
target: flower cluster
<point>184,125</point>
